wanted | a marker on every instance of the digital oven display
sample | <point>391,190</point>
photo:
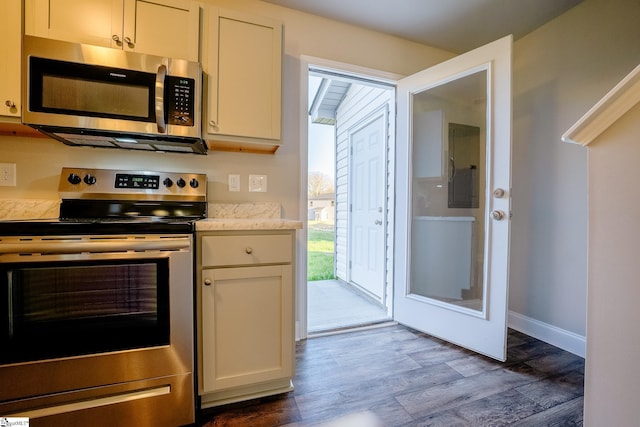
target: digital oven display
<point>125,180</point>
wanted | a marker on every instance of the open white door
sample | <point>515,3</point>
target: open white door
<point>453,201</point>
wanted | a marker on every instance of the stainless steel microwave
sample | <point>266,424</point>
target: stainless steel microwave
<point>103,97</point>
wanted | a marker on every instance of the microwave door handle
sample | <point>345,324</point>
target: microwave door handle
<point>160,77</point>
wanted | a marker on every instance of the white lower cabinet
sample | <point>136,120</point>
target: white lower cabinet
<point>246,315</point>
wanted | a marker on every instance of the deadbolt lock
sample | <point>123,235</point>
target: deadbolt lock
<point>497,215</point>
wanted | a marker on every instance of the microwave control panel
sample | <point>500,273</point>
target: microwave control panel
<point>180,100</point>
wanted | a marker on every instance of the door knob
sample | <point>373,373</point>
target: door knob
<point>378,222</point>
<point>207,282</point>
<point>498,193</point>
<point>497,215</point>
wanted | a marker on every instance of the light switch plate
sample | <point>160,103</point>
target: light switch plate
<point>234,182</point>
<point>8,174</point>
<point>257,183</point>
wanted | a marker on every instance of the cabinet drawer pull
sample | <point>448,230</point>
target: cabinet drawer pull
<point>207,282</point>
<point>248,250</point>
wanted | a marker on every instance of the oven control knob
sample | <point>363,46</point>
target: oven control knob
<point>194,183</point>
<point>89,179</point>
<point>167,182</point>
<point>181,183</point>
<point>74,179</point>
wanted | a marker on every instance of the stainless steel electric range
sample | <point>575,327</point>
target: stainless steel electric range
<point>97,317</point>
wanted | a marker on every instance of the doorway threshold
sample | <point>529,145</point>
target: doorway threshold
<point>334,305</point>
<point>352,328</point>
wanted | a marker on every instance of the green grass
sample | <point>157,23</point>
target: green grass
<point>320,247</point>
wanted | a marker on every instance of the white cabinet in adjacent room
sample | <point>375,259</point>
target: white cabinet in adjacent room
<point>242,60</point>
<point>429,144</point>
<point>246,315</point>
<point>160,27</point>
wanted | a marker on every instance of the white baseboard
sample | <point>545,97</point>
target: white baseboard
<point>569,341</point>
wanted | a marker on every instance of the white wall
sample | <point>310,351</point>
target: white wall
<point>560,71</point>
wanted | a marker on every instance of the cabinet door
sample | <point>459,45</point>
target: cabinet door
<point>247,326</point>
<point>244,66</point>
<point>11,36</point>
<point>168,28</point>
<point>94,22</point>
<point>163,27</point>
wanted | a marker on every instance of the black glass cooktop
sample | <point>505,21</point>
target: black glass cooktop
<point>100,217</point>
<point>102,226</point>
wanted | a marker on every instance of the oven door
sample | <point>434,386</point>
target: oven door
<point>95,318</point>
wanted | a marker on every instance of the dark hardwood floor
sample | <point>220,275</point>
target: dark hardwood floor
<point>395,376</point>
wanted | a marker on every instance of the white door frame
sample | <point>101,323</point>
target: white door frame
<point>301,255</point>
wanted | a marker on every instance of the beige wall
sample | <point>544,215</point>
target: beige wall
<point>612,387</point>
<point>560,71</point>
<point>39,160</point>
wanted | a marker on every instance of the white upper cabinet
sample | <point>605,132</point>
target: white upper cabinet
<point>11,36</point>
<point>242,59</point>
<point>160,27</point>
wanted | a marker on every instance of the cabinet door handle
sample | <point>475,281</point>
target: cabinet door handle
<point>248,250</point>
<point>9,103</point>
<point>129,43</point>
<point>116,39</point>
<point>207,282</point>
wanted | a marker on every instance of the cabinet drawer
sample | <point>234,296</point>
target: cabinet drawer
<point>246,250</point>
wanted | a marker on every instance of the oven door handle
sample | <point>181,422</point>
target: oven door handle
<point>93,246</point>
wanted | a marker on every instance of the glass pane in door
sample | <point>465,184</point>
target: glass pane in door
<point>448,192</point>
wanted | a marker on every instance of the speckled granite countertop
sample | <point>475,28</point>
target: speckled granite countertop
<point>222,216</point>
<point>21,209</point>
<point>246,216</point>
<point>212,224</point>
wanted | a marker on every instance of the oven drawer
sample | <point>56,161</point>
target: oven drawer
<point>246,249</point>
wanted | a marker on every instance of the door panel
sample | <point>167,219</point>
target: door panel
<point>367,218</point>
<point>452,270</point>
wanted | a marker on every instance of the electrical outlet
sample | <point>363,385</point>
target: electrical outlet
<point>234,182</point>
<point>258,183</point>
<point>8,174</point>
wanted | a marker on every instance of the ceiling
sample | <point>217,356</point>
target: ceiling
<point>454,25</point>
